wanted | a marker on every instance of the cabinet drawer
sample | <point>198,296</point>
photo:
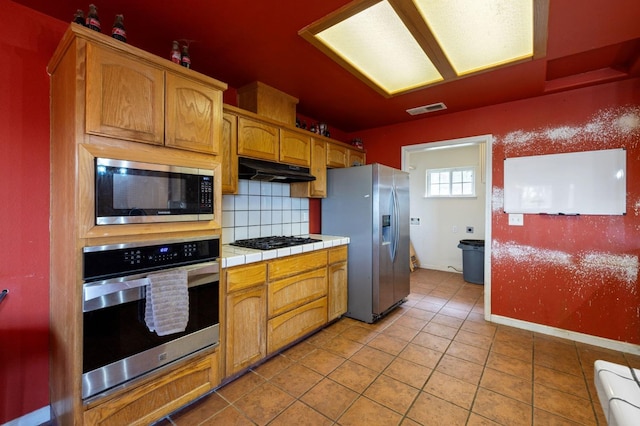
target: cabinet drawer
<point>289,293</point>
<point>294,324</point>
<point>159,397</point>
<point>246,276</point>
<point>337,254</point>
<point>296,264</point>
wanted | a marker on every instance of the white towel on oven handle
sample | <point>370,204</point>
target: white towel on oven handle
<point>167,302</point>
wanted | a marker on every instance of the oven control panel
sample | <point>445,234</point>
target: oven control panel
<point>101,262</point>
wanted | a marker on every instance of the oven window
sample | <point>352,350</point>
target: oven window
<point>118,332</point>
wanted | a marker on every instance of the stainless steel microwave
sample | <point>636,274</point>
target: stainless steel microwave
<point>135,192</point>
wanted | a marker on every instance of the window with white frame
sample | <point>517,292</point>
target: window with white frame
<point>451,182</point>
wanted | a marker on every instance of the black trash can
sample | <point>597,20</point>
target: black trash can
<point>472,260</point>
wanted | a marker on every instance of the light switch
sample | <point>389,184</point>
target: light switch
<point>516,219</point>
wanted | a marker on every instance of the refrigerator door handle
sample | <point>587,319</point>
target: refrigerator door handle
<point>394,226</point>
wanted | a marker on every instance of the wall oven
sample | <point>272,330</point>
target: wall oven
<point>118,345</point>
<point>136,192</point>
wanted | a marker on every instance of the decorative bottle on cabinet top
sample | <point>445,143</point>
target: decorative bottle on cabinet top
<point>93,22</point>
<point>78,17</point>
<point>175,53</point>
<point>118,32</point>
<point>185,60</point>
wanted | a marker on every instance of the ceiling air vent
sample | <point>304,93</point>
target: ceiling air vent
<point>427,108</point>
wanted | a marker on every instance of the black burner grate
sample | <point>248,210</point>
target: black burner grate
<point>272,243</point>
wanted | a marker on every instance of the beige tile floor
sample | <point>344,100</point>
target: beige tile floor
<point>432,361</point>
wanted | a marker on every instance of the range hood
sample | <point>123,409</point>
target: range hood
<point>249,168</point>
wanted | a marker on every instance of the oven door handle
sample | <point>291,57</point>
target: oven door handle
<point>209,271</point>
<point>93,292</point>
<point>209,268</point>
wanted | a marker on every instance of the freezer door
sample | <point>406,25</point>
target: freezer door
<point>401,268</point>
<point>385,239</point>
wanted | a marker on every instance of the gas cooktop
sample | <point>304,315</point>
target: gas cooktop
<point>272,243</point>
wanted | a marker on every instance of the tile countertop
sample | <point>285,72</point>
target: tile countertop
<point>234,256</point>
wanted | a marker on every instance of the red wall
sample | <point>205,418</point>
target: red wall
<point>27,41</point>
<point>573,273</point>
<point>595,292</point>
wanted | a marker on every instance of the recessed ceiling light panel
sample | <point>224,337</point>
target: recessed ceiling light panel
<point>375,42</point>
<point>396,46</point>
<point>476,35</point>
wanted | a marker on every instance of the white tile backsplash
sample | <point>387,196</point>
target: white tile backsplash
<point>263,209</point>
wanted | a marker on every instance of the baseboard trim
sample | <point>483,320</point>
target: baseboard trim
<point>38,417</point>
<point>566,334</point>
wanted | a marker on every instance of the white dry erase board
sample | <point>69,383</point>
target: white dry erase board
<point>586,183</point>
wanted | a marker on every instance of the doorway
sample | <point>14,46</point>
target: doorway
<point>438,223</point>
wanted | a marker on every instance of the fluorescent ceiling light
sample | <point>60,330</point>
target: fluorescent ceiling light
<point>476,35</point>
<point>376,42</point>
<point>396,46</point>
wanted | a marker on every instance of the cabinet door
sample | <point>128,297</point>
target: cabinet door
<point>319,168</point>
<point>295,148</point>
<point>194,112</point>
<point>337,294</point>
<point>356,158</point>
<point>229,178</point>
<point>337,155</point>
<point>124,97</point>
<point>246,328</point>
<point>258,140</point>
<point>338,282</point>
<point>316,188</point>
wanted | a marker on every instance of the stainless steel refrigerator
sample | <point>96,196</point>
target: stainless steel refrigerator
<point>370,205</point>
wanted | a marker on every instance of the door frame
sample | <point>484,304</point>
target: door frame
<point>488,171</point>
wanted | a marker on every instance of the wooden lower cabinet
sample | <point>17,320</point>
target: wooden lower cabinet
<point>246,328</point>
<point>159,397</point>
<point>337,283</point>
<point>296,302</point>
<point>273,303</point>
<point>246,316</point>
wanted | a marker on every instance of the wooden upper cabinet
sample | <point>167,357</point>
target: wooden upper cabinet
<point>295,148</point>
<point>130,99</point>
<point>337,155</point>
<point>229,178</point>
<point>356,158</point>
<point>316,188</point>
<point>258,139</point>
<point>193,113</point>
<point>124,97</point>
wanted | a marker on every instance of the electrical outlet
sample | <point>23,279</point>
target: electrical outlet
<point>415,221</point>
<point>516,219</point>
<point>454,229</point>
<point>469,229</point>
